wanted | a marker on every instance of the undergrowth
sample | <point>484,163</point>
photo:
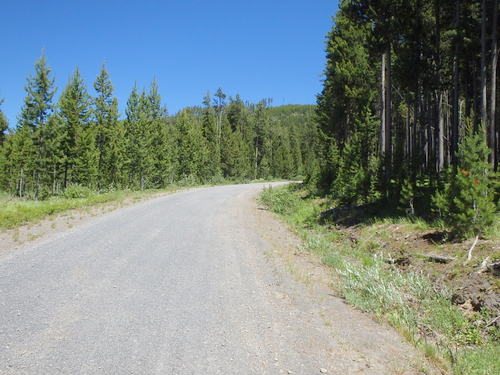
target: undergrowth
<point>407,300</point>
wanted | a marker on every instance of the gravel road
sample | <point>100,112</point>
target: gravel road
<point>180,284</point>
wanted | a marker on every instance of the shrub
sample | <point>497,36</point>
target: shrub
<point>466,201</point>
<point>76,191</point>
<point>280,200</point>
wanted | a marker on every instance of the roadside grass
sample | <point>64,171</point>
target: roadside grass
<point>15,211</point>
<point>407,300</point>
<point>18,211</point>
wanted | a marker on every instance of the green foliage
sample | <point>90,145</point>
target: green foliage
<point>78,142</point>
<point>192,151</point>
<point>478,361</point>
<point>39,94</point>
<point>109,133</point>
<point>4,125</point>
<point>76,191</point>
<point>407,197</point>
<point>466,201</point>
<point>280,200</point>
<point>349,178</point>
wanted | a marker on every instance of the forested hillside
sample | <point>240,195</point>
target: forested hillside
<point>408,112</point>
<point>81,139</point>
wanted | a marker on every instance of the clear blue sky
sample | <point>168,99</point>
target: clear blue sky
<point>259,49</point>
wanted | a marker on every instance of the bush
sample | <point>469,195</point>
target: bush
<point>466,201</point>
<point>280,200</point>
<point>77,191</point>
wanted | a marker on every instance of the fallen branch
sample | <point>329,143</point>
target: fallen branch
<point>469,253</point>
<point>492,321</point>
<point>438,258</point>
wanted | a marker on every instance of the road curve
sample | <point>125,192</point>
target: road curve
<point>175,285</point>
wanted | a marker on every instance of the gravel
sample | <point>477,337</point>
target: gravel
<point>175,285</point>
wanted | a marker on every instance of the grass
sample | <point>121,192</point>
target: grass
<point>408,301</point>
<point>15,211</point>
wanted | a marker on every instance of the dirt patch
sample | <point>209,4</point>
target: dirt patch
<point>475,285</point>
<point>476,292</point>
<point>10,239</point>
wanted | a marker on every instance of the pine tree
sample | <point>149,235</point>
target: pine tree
<point>296,153</point>
<point>36,110</point>
<point>220,107</point>
<point>209,123</point>
<point>54,158</point>
<point>135,138</point>
<point>467,203</point>
<point>78,143</point>
<point>282,162</point>
<point>4,125</point>
<point>350,180</point>
<point>19,161</point>
<point>226,146</point>
<point>110,134</point>
<point>85,162</point>
<point>161,143</point>
<point>262,143</point>
<point>38,101</point>
<point>236,161</point>
<point>192,151</point>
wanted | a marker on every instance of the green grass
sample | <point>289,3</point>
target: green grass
<point>406,300</point>
<point>18,211</point>
<point>15,212</point>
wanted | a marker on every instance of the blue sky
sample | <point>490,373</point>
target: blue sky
<point>259,49</point>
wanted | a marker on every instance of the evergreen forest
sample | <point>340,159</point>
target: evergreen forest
<point>81,140</point>
<point>408,112</point>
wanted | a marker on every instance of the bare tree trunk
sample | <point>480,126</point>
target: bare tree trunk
<point>388,113</point>
<point>448,130</point>
<point>441,133</point>
<point>21,183</point>
<point>256,159</point>
<point>382,109</point>
<point>407,135</point>
<point>493,93</point>
<point>484,119</point>
<point>456,87</point>
<point>65,184</point>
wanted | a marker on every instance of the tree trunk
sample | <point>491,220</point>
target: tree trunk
<point>256,159</point>
<point>382,110</point>
<point>483,103</point>
<point>388,113</point>
<point>441,134</point>
<point>21,183</point>
<point>493,93</point>
<point>438,146</point>
<point>65,184</point>
<point>456,87</point>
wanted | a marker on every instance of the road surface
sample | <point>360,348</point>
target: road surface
<point>180,284</point>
